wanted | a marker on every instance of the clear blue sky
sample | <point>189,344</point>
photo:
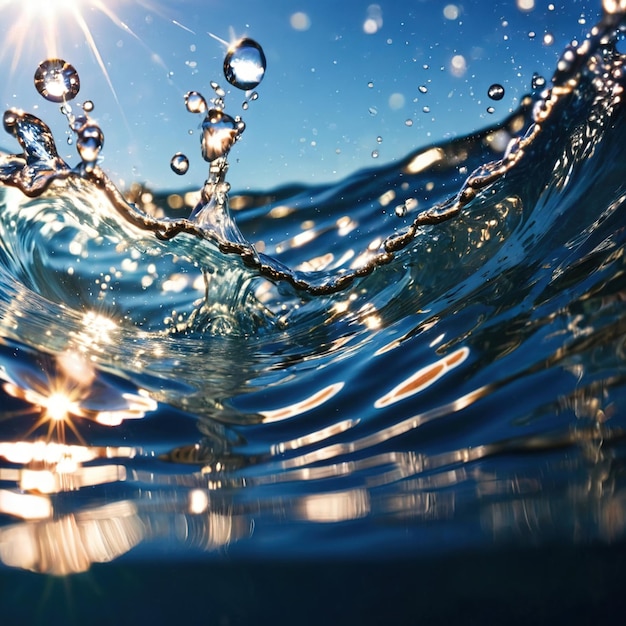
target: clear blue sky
<point>317,118</point>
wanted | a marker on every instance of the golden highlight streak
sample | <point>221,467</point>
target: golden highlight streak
<point>423,378</point>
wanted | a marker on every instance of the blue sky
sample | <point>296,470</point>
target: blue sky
<point>343,77</point>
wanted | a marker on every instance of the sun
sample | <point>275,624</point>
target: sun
<point>59,24</point>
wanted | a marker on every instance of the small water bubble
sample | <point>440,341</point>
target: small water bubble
<point>244,64</point>
<point>423,89</point>
<point>179,164</point>
<point>244,105</point>
<point>426,109</point>
<point>370,84</point>
<point>408,122</point>
<point>379,139</point>
<point>88,106</point>
<point>401,210</point>
<point>254,96</point>
<point>490,110</point>
<point>195,102</point>
<point>57,81</point>
<point>374,154</point>
<point>496,92</point>
<point>373,111</point>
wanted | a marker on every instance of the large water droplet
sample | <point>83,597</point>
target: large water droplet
<point>219,133</point>
<point>179,164</point>
<point>57,81</point>
<point>244,64</point>
<point>195,102</point>
<point>496,92</point>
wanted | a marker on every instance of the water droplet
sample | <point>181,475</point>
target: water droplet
<point>490,110</point>
<point>401,210</point>
<point>219,92</point>
<point>219,133</point>
<point>379,139</point>
<point>496,92</point>
<point>57,81</point>
<point>244,105</point>
<point>538,82</point>
<point>370,84</point>
<point>88,106</point>
<point>373,111</point>
<point>89,142</point>
<point>244,64</point>
<point>426,109</point>
<point>423,89</point>
<point>179,164</point>
<point>195,102</point>
<point>408,122</point>
<point>374,154</point>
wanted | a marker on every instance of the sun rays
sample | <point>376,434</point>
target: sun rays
<point>56,28</point>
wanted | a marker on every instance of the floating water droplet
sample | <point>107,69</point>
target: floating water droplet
<point>57,81</point>
<point>88,106</point>
<point>538,82</point>
<point>370,84</point>
<point>379,139</point>
<point>401,210</point>
<point>89,142</point>
<point>496,92</point>
<point>426,109</point>
<point>244,64</point>
<point>408,122</point>
<point>373,111</point>
<point>179,164</point>
<point>219,92</point>
<point>219,133</point>
<point>490,110</point>
<point>423,89</point>
<point>244,105</point>
<point>374,154</point>
<point>195,102</point>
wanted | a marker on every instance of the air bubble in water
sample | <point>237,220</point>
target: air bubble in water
<point>195,102</point>
<point>496,92</point>
<point>374,154</point>
<point>490,110</point>
<point>219,133</point>
<point>408,122</point>
<point>244,64</point>
<point>179,164</point>
<point>57,81</point>
<point>401,210</point>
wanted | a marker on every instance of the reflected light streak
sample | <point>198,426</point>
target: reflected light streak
<point>423,378</point>
<point>308,404</point>
<point>73,542</point>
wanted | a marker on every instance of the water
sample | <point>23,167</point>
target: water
<point>422,360</point>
